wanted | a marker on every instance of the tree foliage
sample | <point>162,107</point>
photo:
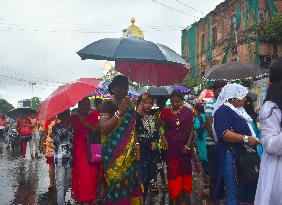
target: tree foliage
<point>191,82</point>
<point>35,103</point>
<point>111,73</point>
<point>270,30</point>
<point>5,106</point>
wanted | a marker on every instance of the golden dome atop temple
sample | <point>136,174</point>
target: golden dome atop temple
<point>133,31</point>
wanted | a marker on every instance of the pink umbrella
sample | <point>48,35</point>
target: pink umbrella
<point>152,73</point>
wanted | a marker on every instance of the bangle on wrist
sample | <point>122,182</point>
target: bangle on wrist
<point>116,114</point>
<point>186,147</point>
<point>245,138</point>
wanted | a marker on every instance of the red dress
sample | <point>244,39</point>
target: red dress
<point>179,166</point>
<point>84,174</point>
<point>23,129</point>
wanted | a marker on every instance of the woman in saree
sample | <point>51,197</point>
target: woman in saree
<point>119,150</point>
<point>84,174</point>
<point>177,140</point>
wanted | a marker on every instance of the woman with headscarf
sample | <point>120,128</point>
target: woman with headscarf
<point>269,190</point>
<point>177,140</point>
<point>119,152</point>
<point>234,130</point>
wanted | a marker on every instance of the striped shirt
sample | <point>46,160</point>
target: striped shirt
<point>209,110</point>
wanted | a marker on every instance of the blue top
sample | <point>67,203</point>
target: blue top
<point>226,119</point>
<point>201,133</point>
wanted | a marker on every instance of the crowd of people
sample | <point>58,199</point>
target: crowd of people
<point>117,150</point>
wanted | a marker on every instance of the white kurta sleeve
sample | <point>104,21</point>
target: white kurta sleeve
<point>271,130</point>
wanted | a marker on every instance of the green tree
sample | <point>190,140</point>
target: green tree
<point>270,30</point>
<point>5,106</point>
<point>191,82</point>
<point>35,103</point>
<point>110,74</point>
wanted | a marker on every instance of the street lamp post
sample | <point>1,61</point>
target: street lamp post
<point>32,84</point>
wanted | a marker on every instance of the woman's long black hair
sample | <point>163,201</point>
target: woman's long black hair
<point>274,92</point>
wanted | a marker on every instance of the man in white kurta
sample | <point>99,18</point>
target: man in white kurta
<point>269,189</point>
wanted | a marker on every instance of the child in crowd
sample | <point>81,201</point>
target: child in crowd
<point>147,138</point>
<point>62,136</point>
<point>35,135</point>
<point>48,150</point>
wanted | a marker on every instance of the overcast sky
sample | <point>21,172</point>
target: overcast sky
<point>39,38</point>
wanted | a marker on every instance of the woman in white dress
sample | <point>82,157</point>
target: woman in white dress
<point>269,189</point>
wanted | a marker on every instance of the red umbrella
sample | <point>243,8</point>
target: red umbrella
<point>152,73</point>
<point>66,96</point>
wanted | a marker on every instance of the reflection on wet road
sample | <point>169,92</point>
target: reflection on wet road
<point>25,181</point>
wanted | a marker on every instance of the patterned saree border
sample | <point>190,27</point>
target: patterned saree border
<point>119,168</point>
<point>114,138</point>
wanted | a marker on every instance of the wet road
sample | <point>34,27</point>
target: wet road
<point>25,181</point>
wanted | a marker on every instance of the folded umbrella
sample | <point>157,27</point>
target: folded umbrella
<point>66,96</point>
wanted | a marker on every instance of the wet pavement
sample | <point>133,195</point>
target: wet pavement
<point>25,181</point>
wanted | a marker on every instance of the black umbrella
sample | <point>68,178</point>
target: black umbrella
<point>129,49</point>
<point>234,71</point>
<point>20,112</point>
<point>154,91</point>
<point>141,61</point>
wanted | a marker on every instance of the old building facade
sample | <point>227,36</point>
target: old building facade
<point>226,34</point>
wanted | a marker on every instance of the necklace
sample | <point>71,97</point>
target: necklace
<point>177,121</point>
<point>175,112</point>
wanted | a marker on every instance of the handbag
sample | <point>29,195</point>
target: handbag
<point>94,147</point>
<point>26,138</point>
<point>249,165</point>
